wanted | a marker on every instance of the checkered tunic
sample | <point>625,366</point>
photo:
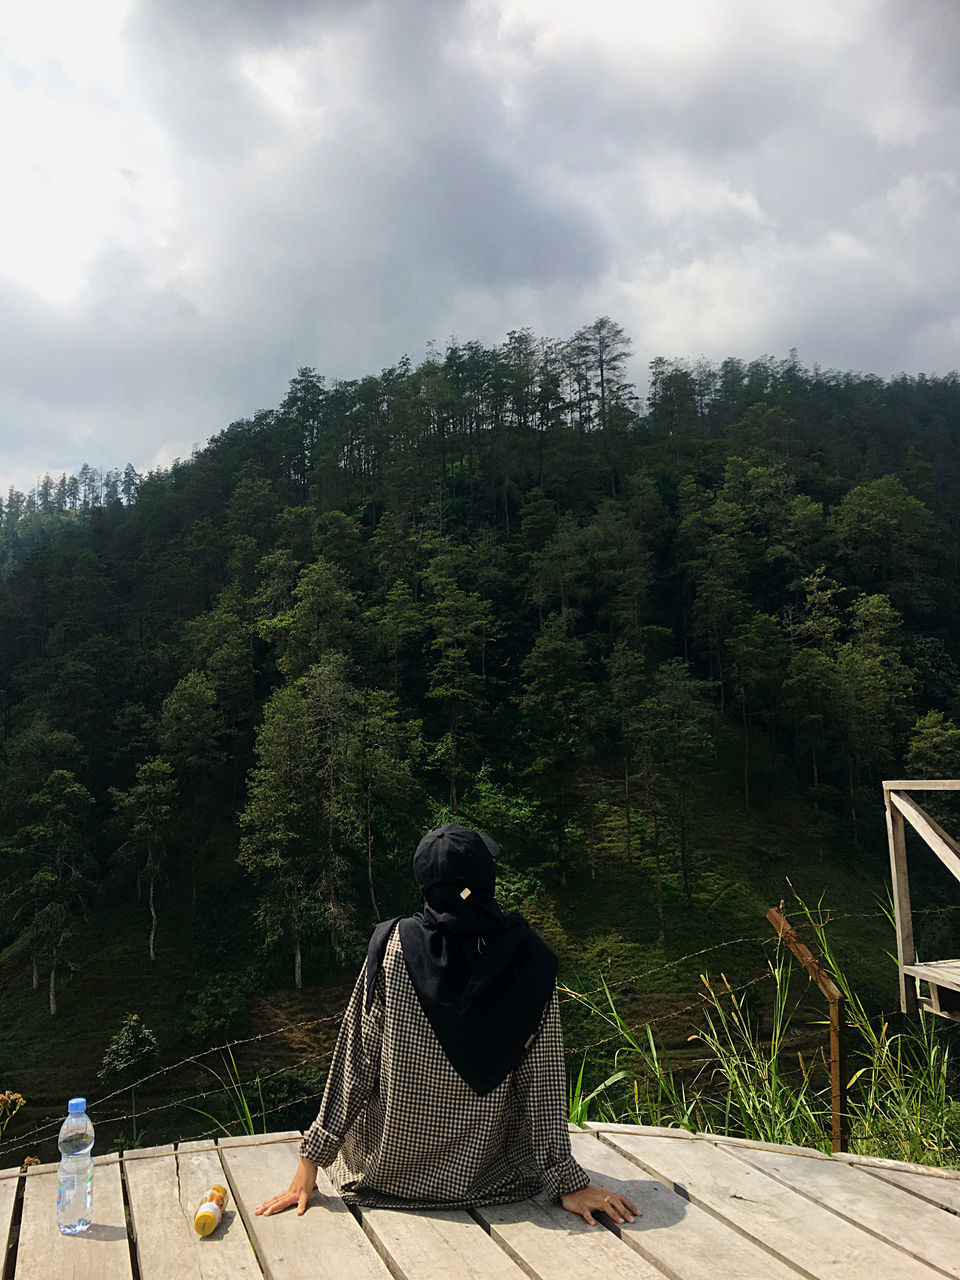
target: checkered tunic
<point>398,1125</point>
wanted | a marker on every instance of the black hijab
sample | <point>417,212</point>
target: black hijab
<point>482,978</point>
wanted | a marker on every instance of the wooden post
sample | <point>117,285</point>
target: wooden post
<point>840,1124</point>
<point>903,915</point>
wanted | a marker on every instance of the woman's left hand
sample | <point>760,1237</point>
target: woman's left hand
<point>302,1186</point>
<point>592,1199</point>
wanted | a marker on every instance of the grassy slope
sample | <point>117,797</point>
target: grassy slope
<point>605,925</point>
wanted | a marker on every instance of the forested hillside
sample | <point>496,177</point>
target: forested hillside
<point>493,583</point>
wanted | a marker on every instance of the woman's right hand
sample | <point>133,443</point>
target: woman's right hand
<point>302,1185</point>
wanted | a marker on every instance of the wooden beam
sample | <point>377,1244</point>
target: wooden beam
<point>930,784</point>
<point>903,915</point>
<point>840,1128</point>
<point>806,957</point>
<point>942,844</point>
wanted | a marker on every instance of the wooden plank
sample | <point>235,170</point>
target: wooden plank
<point>326,1243</point>
<point>902,1166</point>
<point>102,1253</point>
<point>889,1213</point>
<point>796,1230</point>
<point>939,1191</point>
<point>943,973</point>
<point>8,1198</point>
<point>549,1243</point>
<point>927,784</point>
<point>163,1193</point>
<point>598,1128</point>
<point>679,1237</point>
<point>435,1244</point>
<point>645,1130</point>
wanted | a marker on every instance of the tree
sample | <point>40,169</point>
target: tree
<point>461,622</point>
<point>811,687</point>
<point>874,686</point>
<point>757,655</point>
<point>321,618</point>
<point>130,1050</point>
<point>630,670</point>
<point>890,544</point>
<point>54,873</point>
<point>672,734</point>
<point>130,484</point>
<point>554,705</point>
<point>145,813</point>
<point>299,824</point>
<point>933,751</point>
<point>189,738</point>
<point>390,750</point>
<point>605,347</point>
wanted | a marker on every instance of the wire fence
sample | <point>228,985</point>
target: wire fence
<point>253,1085</point>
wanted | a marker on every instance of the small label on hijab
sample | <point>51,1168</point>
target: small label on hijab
<point>465,893</point>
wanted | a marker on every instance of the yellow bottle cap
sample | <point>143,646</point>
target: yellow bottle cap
<point>206,1219</point>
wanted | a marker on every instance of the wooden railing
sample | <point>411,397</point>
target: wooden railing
<point>942,977</point>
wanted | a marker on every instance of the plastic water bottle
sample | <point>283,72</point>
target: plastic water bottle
<point>75,1170</point>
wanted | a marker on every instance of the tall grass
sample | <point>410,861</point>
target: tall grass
<point>752,1085</point>
<point>234,1094</point>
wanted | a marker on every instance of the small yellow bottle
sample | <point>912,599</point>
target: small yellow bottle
<point>210,1210</point>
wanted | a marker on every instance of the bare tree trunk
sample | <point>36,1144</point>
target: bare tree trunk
<point>53,984</point>
<point>153,922</point>
<point>36,972</point>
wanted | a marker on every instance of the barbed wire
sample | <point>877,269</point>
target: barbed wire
<point>49,1128</point>
<point>764,941</point>
<point>657,1019</point>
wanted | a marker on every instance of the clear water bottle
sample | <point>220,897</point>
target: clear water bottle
<point>75,1170</point>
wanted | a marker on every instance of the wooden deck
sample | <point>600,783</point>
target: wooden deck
<point>712,1207</point>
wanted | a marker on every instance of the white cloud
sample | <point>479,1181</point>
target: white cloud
<point>207,196</point>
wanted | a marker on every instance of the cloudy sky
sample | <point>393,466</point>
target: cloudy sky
<point>200,196</point>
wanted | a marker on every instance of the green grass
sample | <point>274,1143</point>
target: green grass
<point>752,1080</point>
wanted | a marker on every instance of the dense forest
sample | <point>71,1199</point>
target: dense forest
<point>495,584</point>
